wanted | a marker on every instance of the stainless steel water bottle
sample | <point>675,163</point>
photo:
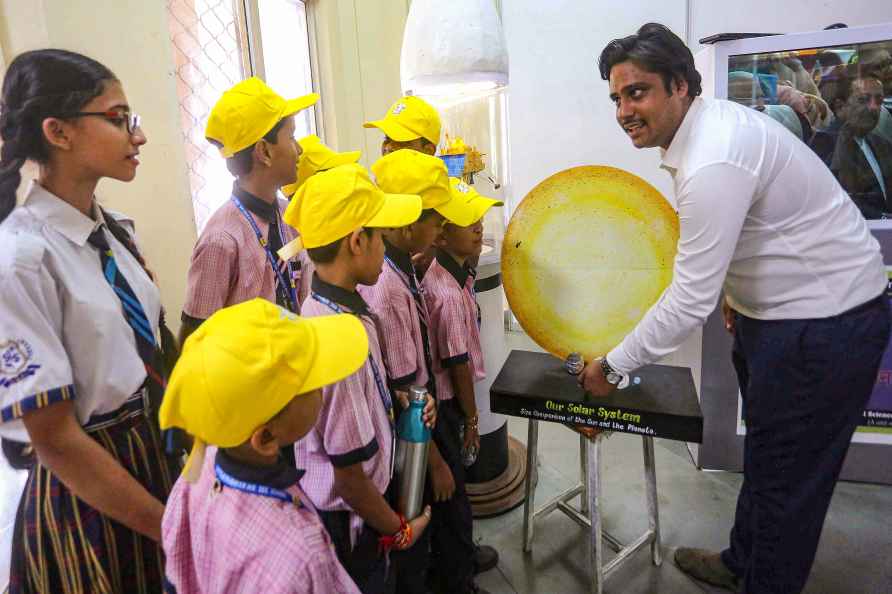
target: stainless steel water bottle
<point>411,454</point>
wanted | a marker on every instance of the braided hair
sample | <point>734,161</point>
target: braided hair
<point>40,84</point>
<point>43,84</point>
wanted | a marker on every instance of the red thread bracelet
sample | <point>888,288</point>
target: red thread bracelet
<point>386,543</point>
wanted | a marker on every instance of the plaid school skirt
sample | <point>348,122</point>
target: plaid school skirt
<point>61,545</point>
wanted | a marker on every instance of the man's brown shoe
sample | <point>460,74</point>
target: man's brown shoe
<point>706,566</point>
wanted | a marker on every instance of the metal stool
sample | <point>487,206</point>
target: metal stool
<point>589,514</point>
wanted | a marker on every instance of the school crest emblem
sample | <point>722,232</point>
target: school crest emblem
<point>14,357</point>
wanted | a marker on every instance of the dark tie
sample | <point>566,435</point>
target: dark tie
<point>132,310</point>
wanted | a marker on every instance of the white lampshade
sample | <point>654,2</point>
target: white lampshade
<point>453,47</point>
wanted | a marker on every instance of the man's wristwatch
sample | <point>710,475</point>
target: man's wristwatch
<point>612,376</point>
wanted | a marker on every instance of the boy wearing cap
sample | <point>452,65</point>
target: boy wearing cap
<point>235,257</point>
<point>315,157</point>
<point>349,454</point>
<point>455,329</point>
<point>397,301</point>
<point>250,382</point>
<point>404,327</point>
<point>410,123</point>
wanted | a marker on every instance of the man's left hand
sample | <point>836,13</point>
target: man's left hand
<point>593,381</point>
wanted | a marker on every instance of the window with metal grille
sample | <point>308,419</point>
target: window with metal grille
<point>217,43</point>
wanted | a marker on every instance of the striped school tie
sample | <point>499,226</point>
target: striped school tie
<point>131,308</point>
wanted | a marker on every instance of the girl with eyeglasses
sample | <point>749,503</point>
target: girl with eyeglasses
<point>81,366</point>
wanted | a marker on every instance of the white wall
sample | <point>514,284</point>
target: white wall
<point>358,49</point>
<point>560,115</point>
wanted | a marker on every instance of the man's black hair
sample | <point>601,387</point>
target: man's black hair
<point>656,49</point>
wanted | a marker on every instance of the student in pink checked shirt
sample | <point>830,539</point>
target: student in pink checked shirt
<point>397,299</point>
<point>350,453</point>
<point>454,326</point>
<point>250,380</point>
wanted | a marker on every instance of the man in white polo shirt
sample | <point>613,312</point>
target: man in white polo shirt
<point>764,219</point>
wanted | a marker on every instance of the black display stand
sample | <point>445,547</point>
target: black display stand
<point>662,404</point>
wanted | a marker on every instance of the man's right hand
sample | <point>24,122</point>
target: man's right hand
<point>442,481</point>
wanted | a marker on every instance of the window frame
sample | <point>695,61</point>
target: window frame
<point>249,18</point>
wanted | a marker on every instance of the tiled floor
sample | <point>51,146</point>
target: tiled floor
<point>696,509</point>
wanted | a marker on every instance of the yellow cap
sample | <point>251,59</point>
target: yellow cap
<point>247,111</point>
<point>409,118</point>
<point>317,157</point>
<point>337,202</point>
<point>467,206</point>
<point>246,362</point>
<point>410,172</point>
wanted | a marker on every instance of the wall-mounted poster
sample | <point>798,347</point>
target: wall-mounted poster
<point>877,424</point>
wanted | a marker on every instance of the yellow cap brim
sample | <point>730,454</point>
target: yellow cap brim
<point>434,197</point>
<point>336,160</point>
<point>467,213</point>
<point>292,106</point>
<point>290,189</point>
<point>342,346</point>
<point>398,210</point>
<point>393,130</point>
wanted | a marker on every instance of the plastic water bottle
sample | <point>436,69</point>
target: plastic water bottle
<point>411,454</point>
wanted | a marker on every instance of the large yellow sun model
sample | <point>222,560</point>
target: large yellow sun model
<point>586,253</point>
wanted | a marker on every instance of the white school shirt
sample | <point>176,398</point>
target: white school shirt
<point>62,333</point>
<point>760,216</point>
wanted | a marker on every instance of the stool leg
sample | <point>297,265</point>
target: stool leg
<point>532,478</point>
<point>583,468</point>
<point>593,486</point>
<point>653,511</point>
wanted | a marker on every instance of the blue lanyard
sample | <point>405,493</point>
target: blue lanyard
<point>423,315</point>
<point>253,488</point>
<point>470,288</point>
<point>416,291</point>
<point>291,292</point>
<point>383,392</point>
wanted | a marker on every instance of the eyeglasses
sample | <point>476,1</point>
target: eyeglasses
<point>115,116</point>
